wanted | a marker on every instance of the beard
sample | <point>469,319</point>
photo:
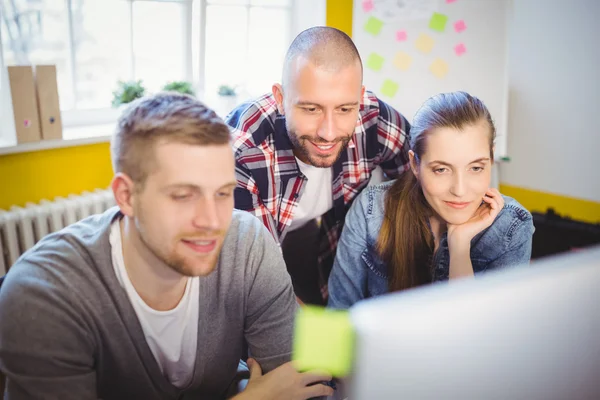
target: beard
<point>185,266</point>
<point>301,147</point>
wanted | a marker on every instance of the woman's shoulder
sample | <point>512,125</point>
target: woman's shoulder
<point>513,224</point>
<point>372,198</point>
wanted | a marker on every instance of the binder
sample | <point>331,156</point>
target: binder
<point>48,102</point>
<point>25,110</point>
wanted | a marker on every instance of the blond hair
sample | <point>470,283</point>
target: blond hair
<point>167,116</point>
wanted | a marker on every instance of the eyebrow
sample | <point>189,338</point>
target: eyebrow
<point>196,187</point>
<point>482,159</point>
<point>309,103</point>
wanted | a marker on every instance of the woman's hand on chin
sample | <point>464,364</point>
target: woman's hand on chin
<point>459,236</point>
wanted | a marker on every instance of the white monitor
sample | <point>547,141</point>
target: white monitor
<point>526,333</point>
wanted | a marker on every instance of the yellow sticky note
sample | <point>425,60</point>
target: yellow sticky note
<point>424,43</point>
<point>389,88</point>
<point>323,340</point>
<point>375,61</point>
<point>402,61</point>
<point>439,68</point>
<point>373,26</point>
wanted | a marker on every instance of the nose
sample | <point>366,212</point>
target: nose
<point>458,187</point>
<point>326,129</point>
<point>205,214</point>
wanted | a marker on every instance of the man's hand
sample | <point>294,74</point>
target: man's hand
<point>284,383</point>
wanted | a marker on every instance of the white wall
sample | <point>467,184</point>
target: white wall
<point>554,111</point>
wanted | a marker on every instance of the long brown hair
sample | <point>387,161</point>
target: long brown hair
<point>405,242</point>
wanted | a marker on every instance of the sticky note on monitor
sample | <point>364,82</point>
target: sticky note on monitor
<point>375,61</point>
<point>373,26</point>
<point>438,22</point>
<point>323,340</point>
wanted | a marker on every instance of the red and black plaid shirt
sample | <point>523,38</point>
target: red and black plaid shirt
<point>269,180</point>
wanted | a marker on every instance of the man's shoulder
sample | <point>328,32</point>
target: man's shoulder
<point>252,122</point>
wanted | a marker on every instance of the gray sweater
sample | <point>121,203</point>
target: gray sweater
<point>68,330</point>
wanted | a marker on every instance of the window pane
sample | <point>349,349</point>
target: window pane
<point>228,2</point>
<point>102,50</point>
<point>158,43</point>
<point>266,56</point>
<point>280,3</point>
<point>36,32</point>
<point>226,30</point>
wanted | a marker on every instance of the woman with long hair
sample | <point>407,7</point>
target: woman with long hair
<point>440,220</point>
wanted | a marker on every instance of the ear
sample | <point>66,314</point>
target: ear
<point>278,94</point>
<point>413,163</point>
<point>123,190</point>
<point>493,153</point>
<point>362,93</point>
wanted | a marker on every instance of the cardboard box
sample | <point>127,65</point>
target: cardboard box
<point>25,110</point>
<point>48,102</point>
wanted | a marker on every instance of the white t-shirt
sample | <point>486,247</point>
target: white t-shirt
<point>171,335</point>
<point>317,197</point>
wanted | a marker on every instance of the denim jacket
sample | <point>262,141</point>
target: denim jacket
<point>359,273</point>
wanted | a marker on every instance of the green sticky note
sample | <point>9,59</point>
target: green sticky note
<point>373,26</point>
<point>375,61</point>
<point>389,88</point>
<point>323,340</point>
<point>438,22</point>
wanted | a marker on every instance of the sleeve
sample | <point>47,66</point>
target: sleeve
<point>271,303</point>
<point>518,248</point>
<point>247,198</point>
<point>393,132</point>
<point>348,278</point>
<point>44,350</point>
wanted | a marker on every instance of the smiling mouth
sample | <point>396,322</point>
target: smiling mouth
<point>457,205</point>
<point>325,149</point>
<point>201,246</point>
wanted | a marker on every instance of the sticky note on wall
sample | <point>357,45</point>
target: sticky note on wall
<point>438,22</point>
<point>424,43</point>
<point>375,62</point>
<point>439,68</point>
<point>389,88</point>
<point>323,340</point>
<point>373,26</point>
<point>402,61</point>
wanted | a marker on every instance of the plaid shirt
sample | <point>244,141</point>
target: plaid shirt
<point>269,180</point>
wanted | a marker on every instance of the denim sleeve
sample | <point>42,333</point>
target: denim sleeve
<point>348,279</point>
<point>518,245</point>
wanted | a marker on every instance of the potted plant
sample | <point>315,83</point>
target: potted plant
<point>127,92</point>
<point>227,99</point>
<point>181,87</point>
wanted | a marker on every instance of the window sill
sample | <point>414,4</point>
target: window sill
<point>74,136</point>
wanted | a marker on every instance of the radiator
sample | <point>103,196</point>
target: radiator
<point>22,227</point>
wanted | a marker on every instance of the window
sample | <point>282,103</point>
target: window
<point>95,43</point>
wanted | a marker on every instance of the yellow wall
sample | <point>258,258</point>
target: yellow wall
<point>339,15</point>
<point>30,177</point>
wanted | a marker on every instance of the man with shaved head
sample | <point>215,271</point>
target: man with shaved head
<point>306,150</point>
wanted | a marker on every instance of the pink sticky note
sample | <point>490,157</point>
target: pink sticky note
<point>367,5</point>
<point>460,26</point>
<point>401,36</point>
<point>460,49</point>
<point>27,123</point>
<point>450,1</point>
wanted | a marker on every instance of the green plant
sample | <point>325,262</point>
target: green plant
<point>128,91</point>
<point>181,87</point>
<point>226,90</point>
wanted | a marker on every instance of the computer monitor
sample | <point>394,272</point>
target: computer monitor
<point>525,333</point>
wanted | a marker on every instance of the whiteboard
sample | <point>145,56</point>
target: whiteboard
<point>414,49</point>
